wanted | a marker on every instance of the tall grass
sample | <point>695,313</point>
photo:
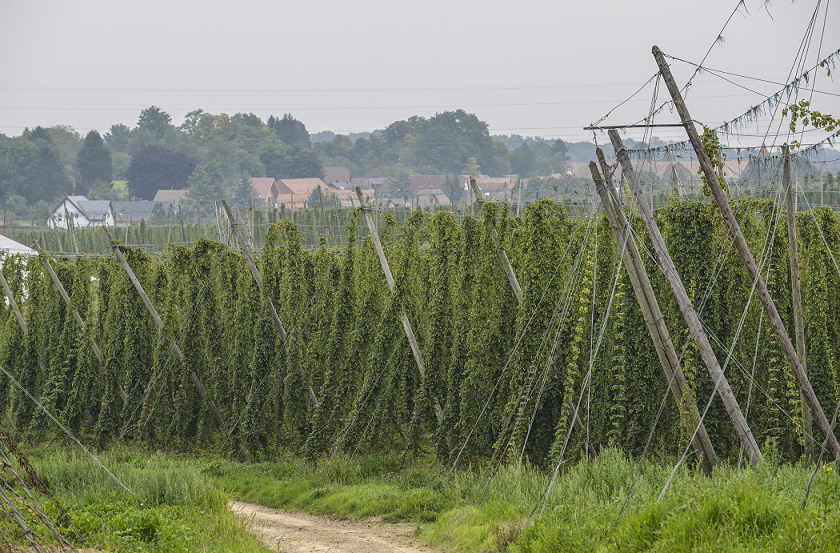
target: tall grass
<point>172,506</point>
<point>730,510</point>
<point>178,502</point>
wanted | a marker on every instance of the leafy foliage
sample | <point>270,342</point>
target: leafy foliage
<point>499,379</point>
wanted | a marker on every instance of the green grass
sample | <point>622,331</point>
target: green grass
<point>730,510</point>
<point>183,503</point>
<point>172,506</point>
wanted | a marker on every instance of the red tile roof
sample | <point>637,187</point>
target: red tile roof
<point>266,189</point>
<point>336,175</point>
<point>297,190</point>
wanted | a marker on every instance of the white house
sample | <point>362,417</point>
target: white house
<point>83,211</point>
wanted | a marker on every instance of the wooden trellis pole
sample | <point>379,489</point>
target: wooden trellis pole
<point>514,283</point>
<point>71,229</point>
<point>517,291</point>
<point>796,293</point>
<point>78,318</point>
<point>278,324</point>
<point>21,321</point>
<point>79,321</point>
<point>12,302</point>
<point>409,332</point>
<point>159,322</point>
<point>654,320</point>
<point>697,332</point>
<point>744,250</point>
<point>218,211</point>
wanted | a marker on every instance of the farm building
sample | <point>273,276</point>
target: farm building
<point>84,213</point>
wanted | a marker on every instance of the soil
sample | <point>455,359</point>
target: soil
<point>299,532</point>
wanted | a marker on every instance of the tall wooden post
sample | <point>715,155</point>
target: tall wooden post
<point>71,229</point>
<point>514,282</point>
<point>249,228</point>
<point>128,223</point>
<point>21,321</point>
<point>78,318</point>
<point>12,302</point>
<point>183,232</point>
<point>409,332</point>
<point>724,391</point>
<point>323,218</point>
<point>517,291</point>
<point>219,221</point>
<point>796,293</point>
<point>654,320</point>
<point>278,325</point>
<point>159,322</point>
<point>744,250</point>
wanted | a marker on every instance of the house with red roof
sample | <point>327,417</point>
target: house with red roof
<point>296,192</point>
<point>337,176</point>
<point>266,190</point>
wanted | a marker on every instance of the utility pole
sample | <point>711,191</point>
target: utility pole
<point>654,320</point>
<point>697,332</point>
<point>744,250</point>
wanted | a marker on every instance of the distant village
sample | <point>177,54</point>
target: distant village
<point>337,189</point>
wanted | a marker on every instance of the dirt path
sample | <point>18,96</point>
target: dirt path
<point>298,532</point>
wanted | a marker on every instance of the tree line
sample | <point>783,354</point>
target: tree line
<point>212,153</point>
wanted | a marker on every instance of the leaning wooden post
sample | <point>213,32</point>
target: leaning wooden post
<point>409,332</point>
<point>183,232</point>
<point>278,324</point>
<point>12,302</point>
<point>741,427</point>
<point>219,222</point>
<point>514,282</point>
<point>159,322</point>
<point>654,320</point>
<point>741,245</point>
<point>517,291</point>
<point>79,321</point>
<point>21,321</point>
<point>78,318</point>
<point>796,293</point>
<point>323,217</point>
<point>71,229</point>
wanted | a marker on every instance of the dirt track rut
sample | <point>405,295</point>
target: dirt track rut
<point>299,532</point>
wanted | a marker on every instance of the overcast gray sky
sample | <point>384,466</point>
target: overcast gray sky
<point>531,67</point>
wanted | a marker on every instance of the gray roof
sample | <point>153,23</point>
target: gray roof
<point>94,210</point>
<point>133,210</point>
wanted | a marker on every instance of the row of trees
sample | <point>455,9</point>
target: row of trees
<point>452,142</point>
<point>211,153</point>
<point>499,376</point>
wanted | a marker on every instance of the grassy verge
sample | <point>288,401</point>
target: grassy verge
<point>184,503</point>
<point>731,510</point>
<point>173,507</point>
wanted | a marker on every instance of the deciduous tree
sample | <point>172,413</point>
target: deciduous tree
<point>156,168</point>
